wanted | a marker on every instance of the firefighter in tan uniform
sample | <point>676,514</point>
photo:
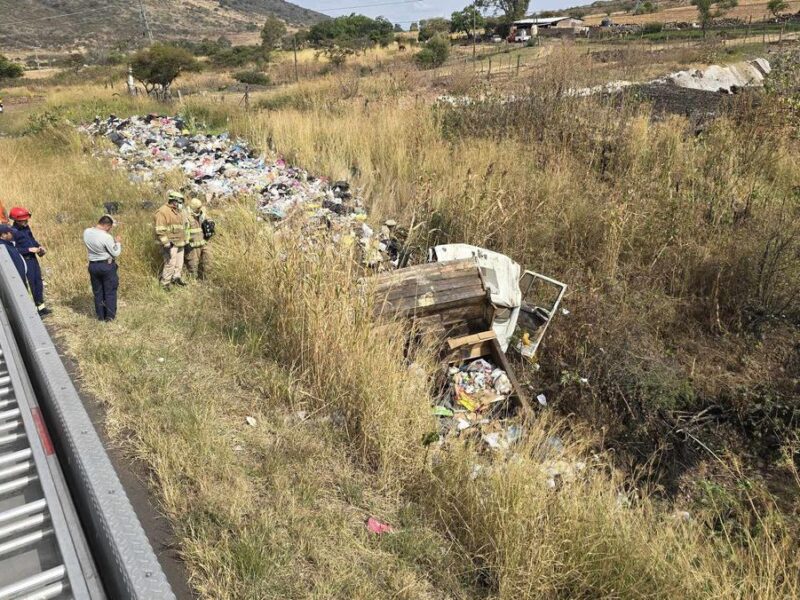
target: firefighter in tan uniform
<point>170,229</point>
<point>198,254</point>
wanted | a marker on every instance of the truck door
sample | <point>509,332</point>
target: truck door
<point>541,297</point>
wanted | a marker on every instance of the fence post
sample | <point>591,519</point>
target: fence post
<point>489,76</point>
<point>519,61</point>
<point>749,26</point>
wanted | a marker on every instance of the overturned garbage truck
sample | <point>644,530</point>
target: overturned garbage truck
<point>476,303</point>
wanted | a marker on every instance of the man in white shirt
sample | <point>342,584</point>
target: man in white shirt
<point>103,251</point>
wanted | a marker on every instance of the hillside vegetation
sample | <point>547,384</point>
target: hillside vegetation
<point>27,24</point>
<point>679,241</point>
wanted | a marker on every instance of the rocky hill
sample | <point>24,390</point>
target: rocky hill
<point>71,24</point>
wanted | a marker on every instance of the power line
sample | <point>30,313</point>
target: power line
<point>80,12</point>
<point>371,5</point>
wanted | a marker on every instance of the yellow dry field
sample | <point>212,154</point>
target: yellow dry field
<point>757,10</point>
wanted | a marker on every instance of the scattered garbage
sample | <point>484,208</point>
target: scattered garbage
<point>161,359</point>
<point>219,167</point>
<point>475,403</point>
<point>683,515</point>
<point>559,472</point>
<point>378,527</point>
<point>251,421</point>
<point>542,399</point>
<point>554,443</point>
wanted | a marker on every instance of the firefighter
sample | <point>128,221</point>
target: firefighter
<point>30,250</point>
<point>198,254</point>
<point>170,230</point>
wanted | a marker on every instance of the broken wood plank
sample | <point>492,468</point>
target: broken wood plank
<point>469,340</point>
<point>431,303</point>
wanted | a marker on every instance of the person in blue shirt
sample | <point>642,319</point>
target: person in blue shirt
<point>30,250</point>
<point>7,240</point>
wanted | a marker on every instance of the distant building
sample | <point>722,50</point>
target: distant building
<point>531,25</point>
<point>548,23</point>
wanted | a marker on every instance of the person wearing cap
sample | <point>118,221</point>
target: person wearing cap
<point>30,250</point>
<point>7,240</point>
<point>198,255</point>
<point>103,252</point>
<point>170,230</point>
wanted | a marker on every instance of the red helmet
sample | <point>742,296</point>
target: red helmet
<point>19,214</point>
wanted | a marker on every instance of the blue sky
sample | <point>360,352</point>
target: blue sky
<point>399,11</point>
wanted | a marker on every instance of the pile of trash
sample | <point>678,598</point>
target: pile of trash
<point>218,167</point>
<point>475,404</point>
<point>723,79</point>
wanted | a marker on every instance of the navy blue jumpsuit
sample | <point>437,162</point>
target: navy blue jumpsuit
<point>18,261</point>
<point>23,238</point>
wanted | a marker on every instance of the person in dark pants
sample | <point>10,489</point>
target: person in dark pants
<point>103,252</point>
<point>30,250</point>
<point>7,240</point>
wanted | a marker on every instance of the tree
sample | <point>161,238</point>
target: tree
<point>160,65</point>
<point>354,31</point>
<point>706,15</point>
<point>435,52</point>
<point>9,70</point>
<point>75,61</point>
<point>512,10</point>
<point>490,25</point>
<point>239,56</point>
<point>777,6</point>
<point>430,27</point>
<point>337,55</point>
<point>272,32</point>
<point>645,8</point>
<point>414,27</point>
<point>467,20</point>
<point>251,77</point>
<point>398,28</point>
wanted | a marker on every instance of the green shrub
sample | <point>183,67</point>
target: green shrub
<point>645,8</point>
<point>652,28</point>
<point>251,77</point>
<point>239,56</point>
<point>8,69</point>
<point>435,52</point>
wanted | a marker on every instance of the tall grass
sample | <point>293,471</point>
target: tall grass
<point>661,235</point>
<point>670,241</point>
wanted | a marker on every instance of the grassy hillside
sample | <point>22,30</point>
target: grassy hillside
<point>678,241</point>
<point>67,24</point>
<point>675,12</point>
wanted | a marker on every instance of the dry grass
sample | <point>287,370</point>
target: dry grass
<point>640,218</point>
<point>757,9</point>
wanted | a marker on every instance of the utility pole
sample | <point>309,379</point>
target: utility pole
<point>294,47</point>
<point>474,18</point>
<point>146,22</point>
